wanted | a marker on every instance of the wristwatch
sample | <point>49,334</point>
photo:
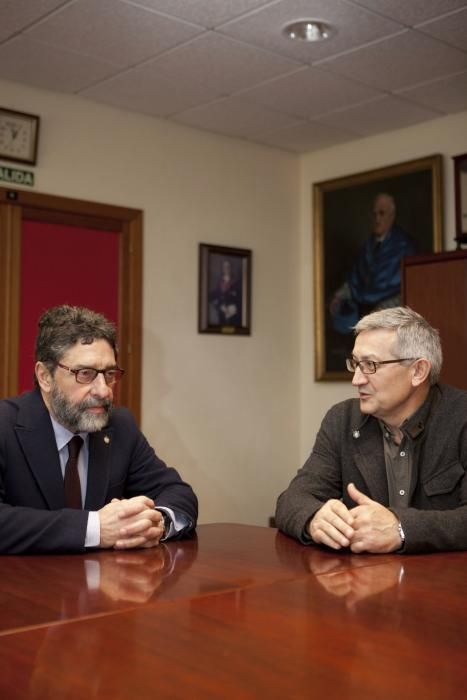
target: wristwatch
<point>167,523</point>
<point>401,534</point>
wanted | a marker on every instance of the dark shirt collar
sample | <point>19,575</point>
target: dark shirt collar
<point>415,424</point>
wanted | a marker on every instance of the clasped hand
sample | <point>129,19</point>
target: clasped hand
<point>130,523</point>
<point>368,527</point>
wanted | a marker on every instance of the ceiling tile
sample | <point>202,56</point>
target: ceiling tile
<point>113,31</point>
<point>27,61</point>
<point>310,92</point>
<point>208,13</point>
<point>234,117</point>
<point>223,64</point>
<point>406,59</point>
<point>410,12</point>
<point>309,136</point>
<point>355,25</point>
<point>382,114</point>
<point>447,95</point>
<point>244,78</point>
<point>16,14</point>
<point>144,90</point>
<point>451,29</point>
<point>189,76</point>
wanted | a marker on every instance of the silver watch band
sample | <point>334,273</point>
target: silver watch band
<point>401,534</point>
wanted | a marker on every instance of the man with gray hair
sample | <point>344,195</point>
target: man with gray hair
<point>76,473</point>
<point>388,470</point>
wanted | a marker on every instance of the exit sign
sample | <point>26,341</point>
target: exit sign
<point>17,177</point>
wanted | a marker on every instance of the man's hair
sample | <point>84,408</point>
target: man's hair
<point>61,327</point>
<point>415,336</point>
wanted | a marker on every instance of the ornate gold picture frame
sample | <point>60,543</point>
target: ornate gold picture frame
<point>342,233</point>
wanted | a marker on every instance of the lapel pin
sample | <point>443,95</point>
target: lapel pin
<point>106,439</point>
<point>356,434</point>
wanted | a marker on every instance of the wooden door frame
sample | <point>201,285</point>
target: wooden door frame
<point>16,205</point>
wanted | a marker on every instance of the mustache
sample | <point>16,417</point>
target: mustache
<point>94,403</point>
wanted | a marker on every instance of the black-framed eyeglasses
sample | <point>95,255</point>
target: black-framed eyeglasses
<point>370,366</point>
<point>86,375</point>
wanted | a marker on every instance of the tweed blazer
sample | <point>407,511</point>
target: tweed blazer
<point>349,448</point>
<point>33,516</point>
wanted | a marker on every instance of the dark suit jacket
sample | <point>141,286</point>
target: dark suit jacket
<point>349,448</point>
<point>122,464</point>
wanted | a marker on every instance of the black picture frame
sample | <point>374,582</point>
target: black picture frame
<point>22,129</point>
<point>224,292</point>
<point>341,225</point>
<point>460,194</point>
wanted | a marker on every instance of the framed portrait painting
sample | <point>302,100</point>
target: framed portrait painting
<point>224,296</point>
<point>363,226</point>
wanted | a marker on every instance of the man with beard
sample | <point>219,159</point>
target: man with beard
<point>76,472</point>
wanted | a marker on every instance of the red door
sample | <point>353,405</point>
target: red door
<point>63,264</point>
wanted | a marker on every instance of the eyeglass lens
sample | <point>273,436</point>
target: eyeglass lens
<point>87,375</point>
<point>366,366</point>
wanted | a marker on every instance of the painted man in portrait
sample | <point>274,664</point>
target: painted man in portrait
<point>374,280</point>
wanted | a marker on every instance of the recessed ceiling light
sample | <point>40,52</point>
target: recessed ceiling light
<point>309,30</point>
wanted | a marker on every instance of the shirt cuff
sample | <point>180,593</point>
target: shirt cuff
<point>93,530</point>
<point>178,522</point>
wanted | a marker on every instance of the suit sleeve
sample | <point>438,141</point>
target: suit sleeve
<point>316,482</point>
<point>148,475</point>
<point>34,531</point>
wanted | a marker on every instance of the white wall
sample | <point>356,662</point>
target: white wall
<point>224,410</point>
<point>236,415</point>
<point>446,136</point>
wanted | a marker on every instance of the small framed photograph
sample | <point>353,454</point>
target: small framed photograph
<point>224,296</point>
<point>363,226</point>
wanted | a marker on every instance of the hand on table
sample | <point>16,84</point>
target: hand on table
<point>130,523</point>
<point>332,525</point>
<point>375,527</point>
<point>368,527</point>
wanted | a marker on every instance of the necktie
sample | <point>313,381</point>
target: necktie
<point>72,482</point>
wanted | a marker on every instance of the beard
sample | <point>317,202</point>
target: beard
<point>75,417</point>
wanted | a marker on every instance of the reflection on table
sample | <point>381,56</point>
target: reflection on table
<point>238,612</point>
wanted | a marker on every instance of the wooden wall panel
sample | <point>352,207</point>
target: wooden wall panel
<point>436,287</point>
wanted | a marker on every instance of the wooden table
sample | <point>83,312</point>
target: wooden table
<point>238,612</point>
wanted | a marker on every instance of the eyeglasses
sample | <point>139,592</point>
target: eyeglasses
<point>86,375</point>
<point>370,366</point>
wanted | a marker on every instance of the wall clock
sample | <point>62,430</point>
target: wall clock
<point>19,134</point>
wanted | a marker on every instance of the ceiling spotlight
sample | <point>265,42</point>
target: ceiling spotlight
<point>309,30</point>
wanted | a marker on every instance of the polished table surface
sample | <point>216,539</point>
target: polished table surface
<point>236,612</point>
